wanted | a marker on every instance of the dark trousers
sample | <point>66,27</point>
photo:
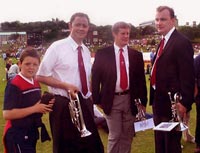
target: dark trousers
<point>66,137</point>
<point>197,132</point>
<point>20,141</point>
<point>166,142</point>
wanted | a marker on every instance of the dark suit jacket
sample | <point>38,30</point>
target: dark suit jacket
<point>174,73</point>
<point>104,76</point>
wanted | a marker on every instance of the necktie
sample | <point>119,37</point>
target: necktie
<point>123,74</point>
<point>82,71</point>
<point>153,74</point>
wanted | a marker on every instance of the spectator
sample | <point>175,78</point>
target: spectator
<point>13,70</point>
<point>99,119</point>
<point>152,55</point>
<point>8,65</point>
<point>4,56</point>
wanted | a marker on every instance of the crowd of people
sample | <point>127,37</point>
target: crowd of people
<point>114,82</point>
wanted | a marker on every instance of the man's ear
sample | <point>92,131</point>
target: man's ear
<point>70,26</point>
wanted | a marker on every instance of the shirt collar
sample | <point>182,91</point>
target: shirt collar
<point>116,48</point>
<point>26,79</point>
<point>74,44</point>
<point>167,36</point>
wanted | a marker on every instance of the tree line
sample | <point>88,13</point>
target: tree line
<point>57,29</point>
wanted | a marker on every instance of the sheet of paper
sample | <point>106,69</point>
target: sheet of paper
<point>144,125</point>
<point>166,126</point>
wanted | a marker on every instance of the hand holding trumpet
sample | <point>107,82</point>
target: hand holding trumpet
<point>72,90</point>
<point>141,110</point>
<point>178,110</point>
<point>77,114</point>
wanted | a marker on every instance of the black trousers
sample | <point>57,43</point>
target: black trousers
<point>197,132</point>
<point>66,137</point>
<point>166,142</point>
<point>19,140</point>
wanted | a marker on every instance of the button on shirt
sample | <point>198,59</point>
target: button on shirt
<point>61,62</point>
<point>125,53</point>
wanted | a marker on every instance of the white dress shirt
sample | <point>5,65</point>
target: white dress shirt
<point>61,62</point>
<point>125,53</point>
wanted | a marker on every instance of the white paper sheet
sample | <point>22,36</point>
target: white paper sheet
<point>144,125</point>
<point>166,126</point>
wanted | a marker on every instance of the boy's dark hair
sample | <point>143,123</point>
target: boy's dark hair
<point>30,51</point>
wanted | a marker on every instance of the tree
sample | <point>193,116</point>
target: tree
<point>134,32</point>
<point>147,30</point>
<point>187,31</point>
<point>105,33</point>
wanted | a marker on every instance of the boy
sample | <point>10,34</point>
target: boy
<point>22,108</point>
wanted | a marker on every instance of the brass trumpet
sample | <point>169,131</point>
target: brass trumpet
<point>77,115</point>
<point>175,113</point>
<point>141,114</point>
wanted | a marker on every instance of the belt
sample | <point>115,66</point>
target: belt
<point>125,92</point>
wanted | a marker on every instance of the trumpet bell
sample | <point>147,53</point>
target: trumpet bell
<point>77,116</point>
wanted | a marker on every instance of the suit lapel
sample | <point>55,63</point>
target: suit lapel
<point>132,62</point>
<point>112,62</point>
<point>169,42</point>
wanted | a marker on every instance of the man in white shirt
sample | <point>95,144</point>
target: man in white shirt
<point>60,70</point>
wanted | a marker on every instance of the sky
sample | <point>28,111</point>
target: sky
<point>101,12</point>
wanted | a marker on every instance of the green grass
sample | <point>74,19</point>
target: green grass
<point>143,142</point>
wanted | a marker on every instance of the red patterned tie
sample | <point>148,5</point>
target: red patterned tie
<point>123,74</point>
<point>82,71</point>
<point>153,74</point>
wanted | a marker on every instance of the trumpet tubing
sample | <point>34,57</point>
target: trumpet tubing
<point>175,113</point>
<point>141,114</point>
<point>77,116</point>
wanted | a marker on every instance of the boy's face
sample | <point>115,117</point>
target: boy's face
<point>29,67</point>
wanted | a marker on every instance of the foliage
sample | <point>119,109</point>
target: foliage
<point>188,31</point>
<point>147,30</point>
<point>134,32</point>
<point>52,30</point>
<point>105,33</point>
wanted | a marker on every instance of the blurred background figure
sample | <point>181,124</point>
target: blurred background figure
<point>100,119</point>
<point>13,70</point>
<point>8,65</point>
<point>152,55</point>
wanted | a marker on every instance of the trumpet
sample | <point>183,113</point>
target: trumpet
<point>141,114</point>
<point>175,113</point>
<point>77,115</point>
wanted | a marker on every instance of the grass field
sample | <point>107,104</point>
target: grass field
<point>143,142</point>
